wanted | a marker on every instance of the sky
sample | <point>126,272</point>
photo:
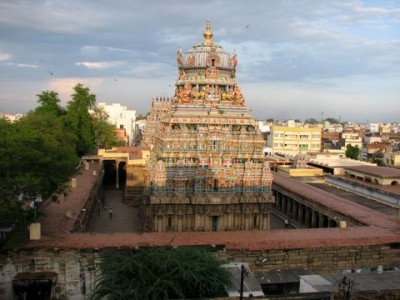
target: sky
<point>298,59</point>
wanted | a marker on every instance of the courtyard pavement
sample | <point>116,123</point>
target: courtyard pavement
<point>125,218</point>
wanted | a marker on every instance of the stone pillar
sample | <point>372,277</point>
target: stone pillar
<point>159,223</point>
<point>277,200</point>
<point>289,207</point>
<point>229,221</point>
<point>284,203</point>
<point>280,197</point>
<point>264,221</point>
<point>294,212</point>
<point>117,174</point>
<point>313,218</point>
<point>307,216</point>
<point>180,223</point>
<point>300,213</point>
<point>322,219</point>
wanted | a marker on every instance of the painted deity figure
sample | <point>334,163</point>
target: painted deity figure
<point>196,94</point>
<point>238,96</point>
<point>184,95</point>
<point>233,63</point>
<point>230,95</point>
<point>179,56</point>
<point>212,92</point>
<point>190,61</point>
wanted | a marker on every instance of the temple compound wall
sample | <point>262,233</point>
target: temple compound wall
<point>76,270</point>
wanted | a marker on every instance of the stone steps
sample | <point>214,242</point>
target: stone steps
<point>133,195</point>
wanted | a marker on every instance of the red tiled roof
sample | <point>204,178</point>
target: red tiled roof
<point>252,240</point>
<point>336,203</point>
<point>382,172</point>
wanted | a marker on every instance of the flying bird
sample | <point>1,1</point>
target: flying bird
<point>51,73</point>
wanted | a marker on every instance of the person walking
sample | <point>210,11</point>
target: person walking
<point>110,213</point>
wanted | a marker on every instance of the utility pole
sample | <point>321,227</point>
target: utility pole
<point>243,273</point>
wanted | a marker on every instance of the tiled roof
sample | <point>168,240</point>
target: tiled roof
<point>383,172</point>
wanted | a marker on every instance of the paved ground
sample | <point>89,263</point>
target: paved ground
<point>124,217</point>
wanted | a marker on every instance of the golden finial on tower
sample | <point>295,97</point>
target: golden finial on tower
<point>208,34</point>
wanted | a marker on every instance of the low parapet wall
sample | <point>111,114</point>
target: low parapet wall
<point>77,269</point>
<point>380,195</point>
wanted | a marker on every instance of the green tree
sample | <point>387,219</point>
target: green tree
<point>332,120</point>
<point>352,152</point>
<point>36,158</point>
<point>311,121</point>
<point>141,117</point>
<point>49,103</point>
<point>160,273</point>
<point>104,132</point>
<point>78,119</point>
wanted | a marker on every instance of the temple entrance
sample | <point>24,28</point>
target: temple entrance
<point>35,285</point>
<point>114,174</point>
<point>214,223</point>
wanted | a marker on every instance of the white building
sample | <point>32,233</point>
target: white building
<point>122,118</point>
<point>374,127</point>
<point>263,127</point>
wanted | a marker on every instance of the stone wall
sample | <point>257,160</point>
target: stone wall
<point>319,260</point>
<point>76,269</point>
<point>91,206</point>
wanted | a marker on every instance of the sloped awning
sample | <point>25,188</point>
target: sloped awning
<point>251,287</point>
<point>35,282</point>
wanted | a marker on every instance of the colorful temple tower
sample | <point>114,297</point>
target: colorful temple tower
<point>207,170</point>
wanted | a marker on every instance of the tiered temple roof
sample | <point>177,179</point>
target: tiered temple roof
<point>207,143</point>
<point>160,106</point>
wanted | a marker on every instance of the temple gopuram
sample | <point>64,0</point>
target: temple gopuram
<point>207,170</point>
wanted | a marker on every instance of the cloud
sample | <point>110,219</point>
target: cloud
<point>289,52</point>
<point>22,65</point>
<point>4,56</point>
<point>99,65</point>
<point>55,16</point>
<point>64,86</point>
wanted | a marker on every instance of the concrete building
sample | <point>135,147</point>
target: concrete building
<point>334,163</point>
<point>373,127</point>
<point>392,159</point>
<point>351,138</point>
<point>292,140</point>
<point>373,152</point>
<point>121,118</point>
<point>374,174</point>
